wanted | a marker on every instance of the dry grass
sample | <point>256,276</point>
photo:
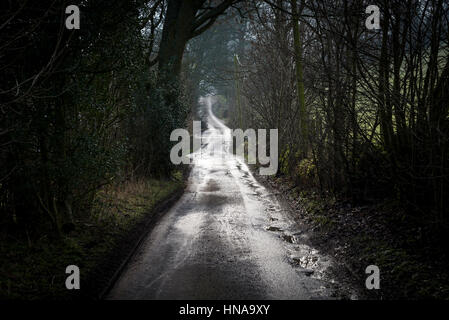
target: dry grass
<point>37,271</point>
<point>130,199</point>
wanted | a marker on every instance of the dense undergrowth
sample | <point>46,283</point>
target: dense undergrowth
<point>411,259</point>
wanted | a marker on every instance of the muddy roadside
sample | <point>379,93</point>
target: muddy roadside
<point>358,236</point>
<point>346,284</point>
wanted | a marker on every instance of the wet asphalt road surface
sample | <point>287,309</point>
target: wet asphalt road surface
<point>226,238</point>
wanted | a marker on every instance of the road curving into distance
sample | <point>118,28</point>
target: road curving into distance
<point>226,238</point>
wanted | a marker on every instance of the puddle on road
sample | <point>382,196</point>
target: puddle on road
<point>211,186</point>
<point>288,238</point>
<point>310,261</point>
<point>190,223</point>
<point>271,228</point>
<point>306,260</point>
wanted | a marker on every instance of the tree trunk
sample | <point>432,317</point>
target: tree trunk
<point>384,91</point>
<point>184,20</point>
<point>176,32</point>
<point>299,77</point>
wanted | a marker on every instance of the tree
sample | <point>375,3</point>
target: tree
<point>299,74</point>
<point>185,20</point>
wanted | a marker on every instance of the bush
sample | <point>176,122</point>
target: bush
<point>306,173</point>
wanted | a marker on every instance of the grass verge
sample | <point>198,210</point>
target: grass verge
<point>35,268</point>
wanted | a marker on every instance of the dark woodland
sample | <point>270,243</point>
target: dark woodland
<point>86,117</point>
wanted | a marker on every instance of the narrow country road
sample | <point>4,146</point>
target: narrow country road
<point>226,238</point>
